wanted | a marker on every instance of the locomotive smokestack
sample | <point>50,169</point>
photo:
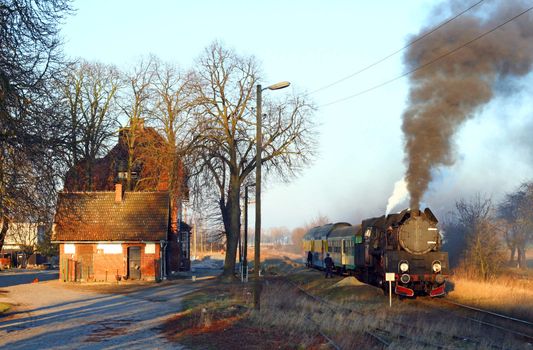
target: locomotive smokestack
<point>448,92</point>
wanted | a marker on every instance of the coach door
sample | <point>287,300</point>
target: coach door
<point>344,251</point>
<point>134,263</point>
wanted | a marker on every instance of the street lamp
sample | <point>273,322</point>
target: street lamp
<point>244,265</point>
<point>259,141</point>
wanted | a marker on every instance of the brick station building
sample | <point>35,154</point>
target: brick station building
<point>109,236</point>
<point>113,223</point>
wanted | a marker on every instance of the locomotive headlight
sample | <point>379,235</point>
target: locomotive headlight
<point>404,266</point>
<point>405,278</point>
<point>436,266</point>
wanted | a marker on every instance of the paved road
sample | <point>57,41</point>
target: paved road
<point>49,315</point>
<point>19,276</point>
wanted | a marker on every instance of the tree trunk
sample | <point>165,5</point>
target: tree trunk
<point>513,252</point>
<point>129,182</point>
<point>522,261</point>
<point>89,175</point>
<point>3,231</point>
<point>74,142</point>
<point>232,223</point>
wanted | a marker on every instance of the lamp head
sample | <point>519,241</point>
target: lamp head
<point>280,85</point>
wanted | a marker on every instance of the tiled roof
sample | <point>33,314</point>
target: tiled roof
<point>95,216</point>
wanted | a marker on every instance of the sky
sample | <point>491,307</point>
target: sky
<point>313,44</point>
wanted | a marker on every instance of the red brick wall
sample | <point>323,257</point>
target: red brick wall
<point>107,266</point>
<point>104,267</point>
<point>150,263</point>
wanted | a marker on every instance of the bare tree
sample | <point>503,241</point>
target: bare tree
<point>483,255</point>
<point>224,88</point>
<point>318,220</point>
<point>171,116</point>
<point>136,105</point>
<point>297,235</point>
<point>26,236</point>
<point>71,85</point>
<point>89,91</point>
<point>517,211</point>
<point>277,235</point>
<point>30,125</point>
<point>472,213</point>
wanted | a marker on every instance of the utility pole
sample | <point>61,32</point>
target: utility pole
<point>194,233</point>
<point>245,245</point>
<point>257,247</point>
<point>259,147</point>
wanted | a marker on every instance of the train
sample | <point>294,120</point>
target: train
<point>407,244</point>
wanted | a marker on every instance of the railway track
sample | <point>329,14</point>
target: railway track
<point>505,317</point>
<point>382,337</point>
<point>395,331</point>
<point>375,334</point>
<point>505,323</point>
<point>309,318</point>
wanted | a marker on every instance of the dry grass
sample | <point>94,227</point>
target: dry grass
<point>222,317</point>
<point>218,317</point>
<point>4,307</point>
<point>406,325</point>
<point>510,293</point>
<point>511,296</point>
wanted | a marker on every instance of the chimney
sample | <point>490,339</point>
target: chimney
<point>118,193</point>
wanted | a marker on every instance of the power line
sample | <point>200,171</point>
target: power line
<point>427,63</point>
<point>395,52</point>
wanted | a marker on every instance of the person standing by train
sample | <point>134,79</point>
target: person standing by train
<point>309,259</point>
<point>328,262</point>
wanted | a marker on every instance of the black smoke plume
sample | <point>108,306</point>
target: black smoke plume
<point>445,94</point>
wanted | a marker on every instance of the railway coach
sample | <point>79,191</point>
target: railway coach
<point>407,244</point>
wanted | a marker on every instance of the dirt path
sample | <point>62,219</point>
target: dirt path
<point>52,315</point>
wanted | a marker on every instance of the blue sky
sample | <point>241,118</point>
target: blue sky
<point>312,44</point>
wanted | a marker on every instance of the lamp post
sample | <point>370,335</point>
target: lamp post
<point>259,145</point>
<point>245,245</point>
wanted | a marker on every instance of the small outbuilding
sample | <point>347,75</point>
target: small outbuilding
<point>109,236</point>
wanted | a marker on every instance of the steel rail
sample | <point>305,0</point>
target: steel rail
<point>330,341</point>
<point>372,333</point>
<point>498,327</point>
<point>328,338</point>
<point>481,311</point>
<point>488,312</point>
<point>379,338</point>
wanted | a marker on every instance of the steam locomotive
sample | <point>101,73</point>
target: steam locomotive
<point>407,244</point>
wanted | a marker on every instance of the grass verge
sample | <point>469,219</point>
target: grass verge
<point>221,317</point>
<point>507,295</point>
<point>4,307</point>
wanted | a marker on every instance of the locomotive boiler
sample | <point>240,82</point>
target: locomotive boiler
<point>407,244</point>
